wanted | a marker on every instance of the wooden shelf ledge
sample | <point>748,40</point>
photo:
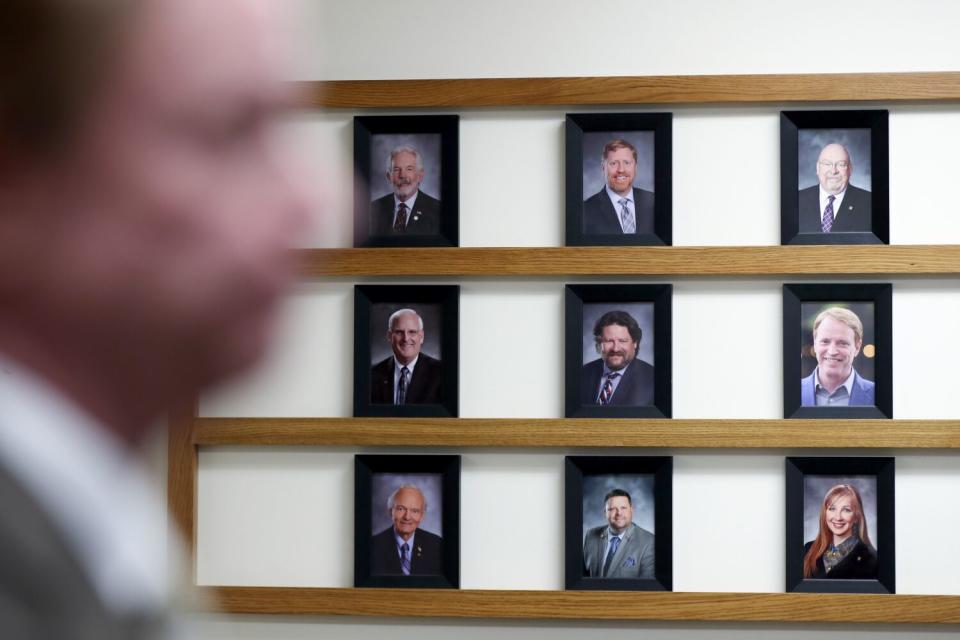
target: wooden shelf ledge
<point>590,605</point>
<point>857,260</point>
<point>634,90</point>
<point>572,432</point>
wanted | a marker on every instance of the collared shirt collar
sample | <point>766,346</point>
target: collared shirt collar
<point>847,384</point>
<point>837,199</point>
<point>95,490</point>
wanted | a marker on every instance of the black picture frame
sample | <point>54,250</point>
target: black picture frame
<point>373,303</point>
<point>792,127</point>
<point>577,468</point>
<point>576,296</point>
<point>883,537</point>
<point>369,134</point>
<point>880,295</point>
<point>579,130</point>
<point>366,468</point>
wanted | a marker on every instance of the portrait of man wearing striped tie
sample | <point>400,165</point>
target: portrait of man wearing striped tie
<point>834,205</point>
<point>619,208</point>
<point>408,376</point>
<point>618,377</point>
<point>404,548</point>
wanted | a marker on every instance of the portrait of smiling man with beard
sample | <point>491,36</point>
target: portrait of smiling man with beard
<point>619,208</point>
<point>407,210</point>
<point>618,377</point>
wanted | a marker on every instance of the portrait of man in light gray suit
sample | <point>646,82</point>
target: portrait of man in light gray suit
<point>620,548</point>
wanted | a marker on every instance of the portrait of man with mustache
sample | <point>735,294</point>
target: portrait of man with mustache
<point>617,377</point>
<point>619,207</point>
<point>407,211</point>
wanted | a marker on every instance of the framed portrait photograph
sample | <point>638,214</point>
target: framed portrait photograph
<point>407,521</point>
<point>406,191</point>
<point>834,177</point>
<point>619,181</point>
<point>406,350</point>
<point>840,525</point>
<point>618,361</point>
<point>837,360</point>
<point>619,519</point>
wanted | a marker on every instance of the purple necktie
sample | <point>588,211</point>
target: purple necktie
<point>827,223</point>
<point>405,559</point>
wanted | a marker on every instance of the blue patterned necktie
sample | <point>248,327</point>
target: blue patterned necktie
<point>607,390</point>
<point>627,218</point>
<point>405,559</point>
<point>827,223</point>
<point>614,545</point>
<point>402,386</point>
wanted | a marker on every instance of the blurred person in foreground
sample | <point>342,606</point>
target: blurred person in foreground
<point>146,216</point>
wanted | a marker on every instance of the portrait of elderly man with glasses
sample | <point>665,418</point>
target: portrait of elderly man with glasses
<point>834,205</point>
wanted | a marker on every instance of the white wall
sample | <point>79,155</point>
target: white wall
<point>281,516</point>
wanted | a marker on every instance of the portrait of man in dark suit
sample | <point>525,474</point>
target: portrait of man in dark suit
<point>837,341</point>
<point>619,208</point>
<point>833,204</point>
<point>407,210</point>
<point>618,377</point>
<point>408,376</point>
<point>620,548</point>
<point>404,548</point>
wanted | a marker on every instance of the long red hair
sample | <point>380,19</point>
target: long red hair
<point>824,536</point>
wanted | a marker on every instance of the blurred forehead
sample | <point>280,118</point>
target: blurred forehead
<point>181,49</point>
<point>618,501</point>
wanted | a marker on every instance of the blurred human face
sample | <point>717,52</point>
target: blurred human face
<point>840,518</point>
<point>405,338</point>
<point>834,168</point>
<point>407,512</point>
<point>617,348</point>
<point>619,167</point>
<point>836,346</point>
<point>170,217</point>
<point>404,175</point>
<point>619,513</point>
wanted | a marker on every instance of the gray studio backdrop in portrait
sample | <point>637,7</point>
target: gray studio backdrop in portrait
<point>593,143</point>
<point>815,487</point>
<point>380,313</point>
<point>427,144</point>
<point>640,488</point>
<point>642,312</point>
<point>430,484</point>
<point>811,141</point>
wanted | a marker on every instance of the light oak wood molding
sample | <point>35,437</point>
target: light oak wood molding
<point>633,90</point>
<point>590,605</point>
<point>573,432</point>
<point>806,260</point>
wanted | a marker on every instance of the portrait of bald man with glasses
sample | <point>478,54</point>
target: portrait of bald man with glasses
<point>834,205</point>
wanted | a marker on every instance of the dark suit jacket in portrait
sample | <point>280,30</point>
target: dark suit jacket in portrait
<point>425,383</point>
<point>634,557</point>
<point>854,213</point>
<point>635,388</point>
<point>425,557</point>
<point>862,391</point>
<point>860,563</point>
<point>601,218</point>
<point>424,219</point>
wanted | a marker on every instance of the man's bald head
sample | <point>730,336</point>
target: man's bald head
<point>834,168</point>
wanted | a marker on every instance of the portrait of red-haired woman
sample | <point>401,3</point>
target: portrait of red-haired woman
<point>842,547</point>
